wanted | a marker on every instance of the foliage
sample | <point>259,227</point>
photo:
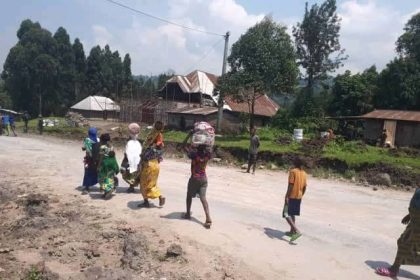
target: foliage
<point>399,85</point>
<point>316,39</point>
<point>408,44</point>
<point>45,69</point>
<point>34,274</point>
<point>261,61</point>
<point>353,94</point>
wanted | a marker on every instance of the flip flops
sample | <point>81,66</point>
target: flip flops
<point>295,236</point>
<point>384,271</point>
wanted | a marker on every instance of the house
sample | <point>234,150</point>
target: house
<point>196,88</point>
<point>403,127</point>
<point>233,114</point>
<point>265,108</point>
<point>96,107</point>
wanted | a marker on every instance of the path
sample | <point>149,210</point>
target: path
<point>347,229</point>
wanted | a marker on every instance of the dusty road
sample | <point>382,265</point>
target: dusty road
<point>348,230</point>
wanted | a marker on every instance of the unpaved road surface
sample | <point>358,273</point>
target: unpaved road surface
<point>348,230</point>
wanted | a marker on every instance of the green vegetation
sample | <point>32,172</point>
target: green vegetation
<point>33,274</point>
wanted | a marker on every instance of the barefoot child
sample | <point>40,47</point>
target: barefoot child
<point>295,191</point>
<point>197,184</point>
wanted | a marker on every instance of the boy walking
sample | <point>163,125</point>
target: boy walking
<point>197,184</point>
<point>295,191</point>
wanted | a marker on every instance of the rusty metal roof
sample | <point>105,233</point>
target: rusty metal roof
<point>264,106</point>
<point>194,111</point>
<point>412,116</point>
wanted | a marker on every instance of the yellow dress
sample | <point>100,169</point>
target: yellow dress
<point>148,179</point>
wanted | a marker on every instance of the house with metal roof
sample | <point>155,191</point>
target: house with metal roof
<point>403,127</point>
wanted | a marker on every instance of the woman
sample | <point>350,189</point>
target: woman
<point>91,147</point>
<point>130,165</point>
<point>108,166</point>
<point>408,252</point>
<point>150,159</point>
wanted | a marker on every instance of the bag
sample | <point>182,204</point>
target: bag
<point>124,165</point>
<point>203,134</point>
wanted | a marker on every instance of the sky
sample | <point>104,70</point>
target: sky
<point>368,32</point>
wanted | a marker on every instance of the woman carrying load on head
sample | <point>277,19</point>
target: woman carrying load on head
<point>91,147</point>
<point>150,160</point>
<point>130,164</point>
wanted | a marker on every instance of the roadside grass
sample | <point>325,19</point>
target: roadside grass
<point>353,153</point>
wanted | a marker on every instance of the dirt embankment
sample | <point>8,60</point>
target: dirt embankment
<point>47,237</point>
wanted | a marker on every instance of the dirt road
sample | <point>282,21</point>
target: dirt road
<point>348,229</point>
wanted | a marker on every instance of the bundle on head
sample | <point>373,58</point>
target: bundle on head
<point>133,129</point>
<point>203,135</point>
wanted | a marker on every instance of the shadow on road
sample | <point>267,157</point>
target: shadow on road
<point>134,205</point>
<point>179,216</point>
<point>403,273</point>
<point>275,234</point>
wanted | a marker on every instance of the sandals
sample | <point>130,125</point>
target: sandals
<point>162,201</point>
<point>295,236</point>
<point>384,271</point>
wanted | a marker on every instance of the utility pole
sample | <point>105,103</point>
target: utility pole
<point>221,98</point>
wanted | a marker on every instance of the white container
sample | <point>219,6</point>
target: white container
<point>298,134</point>
<point>325,134</point>
<point>203,134</point>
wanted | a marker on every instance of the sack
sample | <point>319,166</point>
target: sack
<point>124,165</point>
<point>203,134</point>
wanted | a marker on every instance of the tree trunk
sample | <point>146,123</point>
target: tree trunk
<point>252,111</point>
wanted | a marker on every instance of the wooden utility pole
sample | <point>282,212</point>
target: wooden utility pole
<point>221,98</point>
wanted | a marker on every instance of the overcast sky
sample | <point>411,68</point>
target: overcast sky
<point>369,28</point>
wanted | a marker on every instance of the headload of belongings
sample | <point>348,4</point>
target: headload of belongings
<point>203,134</point>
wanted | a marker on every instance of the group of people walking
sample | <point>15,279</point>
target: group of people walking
<point>140,166</point>
<point>8,125</point>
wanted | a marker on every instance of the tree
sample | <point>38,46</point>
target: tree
<point>399,85</point>
<point>5,100</point>
<point>316,39</point>
<point>80,69</point>
<point>35,49</point>
<point>66,70</point>
<point>94,79</point>
<point>408,44</point>
<point>127,76</point>
<point>353,94</point>
<point>261,61</point>
<point>399,82</point>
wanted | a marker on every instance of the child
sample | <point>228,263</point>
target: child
<point>108,166</point>
<point>295,191</point>
<point>197,184</point>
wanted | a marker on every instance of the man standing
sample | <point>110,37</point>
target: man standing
<point>6,123</point>
<point>12,124</point>
<point>295,191</point>
<point>26,120</point>
<point>253,151</point>
<point>40,124</point>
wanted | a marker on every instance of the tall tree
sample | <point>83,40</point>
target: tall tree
<point>94,77</point>
<point>127,76</point>
<point>34,55</point>
<point>399,83</point>
<point>317,39</point>
<point>261,61</point>
<point>408,44</point>
<point>80,69</point>
<point>66,69</point>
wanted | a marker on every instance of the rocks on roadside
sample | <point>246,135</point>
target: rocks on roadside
<point>244,166</point>
<point>217,159</point>
<point>5,250</point>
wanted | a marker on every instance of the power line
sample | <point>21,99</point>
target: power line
<point>206,53</point>
<point>162,19</point>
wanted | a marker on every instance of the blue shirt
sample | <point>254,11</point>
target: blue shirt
<point>6,119</point>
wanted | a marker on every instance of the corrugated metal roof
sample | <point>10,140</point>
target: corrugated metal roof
<point>413,116</point>
<point>264,106</point>
<point>195,111</point>
<point>197,81</point>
